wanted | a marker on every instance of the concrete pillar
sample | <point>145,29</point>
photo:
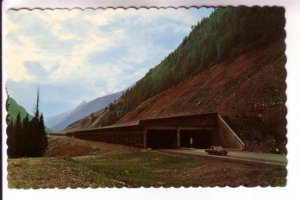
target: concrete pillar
<point>145,138</point>
<point>178,138</point>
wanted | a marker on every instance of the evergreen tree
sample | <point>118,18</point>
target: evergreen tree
<point>17,137</point>
<point>39,136</point>
<point>9,130</point>
<point>9,142</point>
<point>26,135</point>
<point>42,136</point>
<point>33,135</point>
<point>35,146</point>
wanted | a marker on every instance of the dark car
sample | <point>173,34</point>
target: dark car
<point>217,150</point>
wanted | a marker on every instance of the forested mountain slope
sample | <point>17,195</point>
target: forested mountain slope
<point>14,108</point>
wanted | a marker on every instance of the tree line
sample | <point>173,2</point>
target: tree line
<point>26,137</point>
<point>226,33</point>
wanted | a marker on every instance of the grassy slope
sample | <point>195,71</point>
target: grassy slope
<point>43,173</point>
<point>14,108</point>
<point>136,170</point>
<point>96,164</point>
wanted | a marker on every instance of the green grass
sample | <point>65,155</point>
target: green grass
<point>50,173</point>
<point>138,169</point>
<point>141,168</point>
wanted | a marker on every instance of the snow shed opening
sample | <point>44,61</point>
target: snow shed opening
<point>202,139</point>
<point>161,139</point>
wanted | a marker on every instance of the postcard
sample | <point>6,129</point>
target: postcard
<point>145,96</point>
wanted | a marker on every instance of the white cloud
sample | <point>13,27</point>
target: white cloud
<point>126,43</point>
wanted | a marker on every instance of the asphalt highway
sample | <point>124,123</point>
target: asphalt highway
<point>236,156</point>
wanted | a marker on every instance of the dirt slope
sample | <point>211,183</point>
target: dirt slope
<point>65,146</point>
<point>255,77</point>
<point>91,121</point>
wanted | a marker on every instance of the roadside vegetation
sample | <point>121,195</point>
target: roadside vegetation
<point>97,164</point>
<point>138,169</point>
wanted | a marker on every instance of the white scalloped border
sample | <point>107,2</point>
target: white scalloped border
<point>292,28</point>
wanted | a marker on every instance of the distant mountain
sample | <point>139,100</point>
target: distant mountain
<point>14,108</point>
<point>56,119</point>
<point>91,121</point>
<point>61,121</point>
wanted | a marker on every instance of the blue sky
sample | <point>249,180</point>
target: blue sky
<point>84,54</point>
